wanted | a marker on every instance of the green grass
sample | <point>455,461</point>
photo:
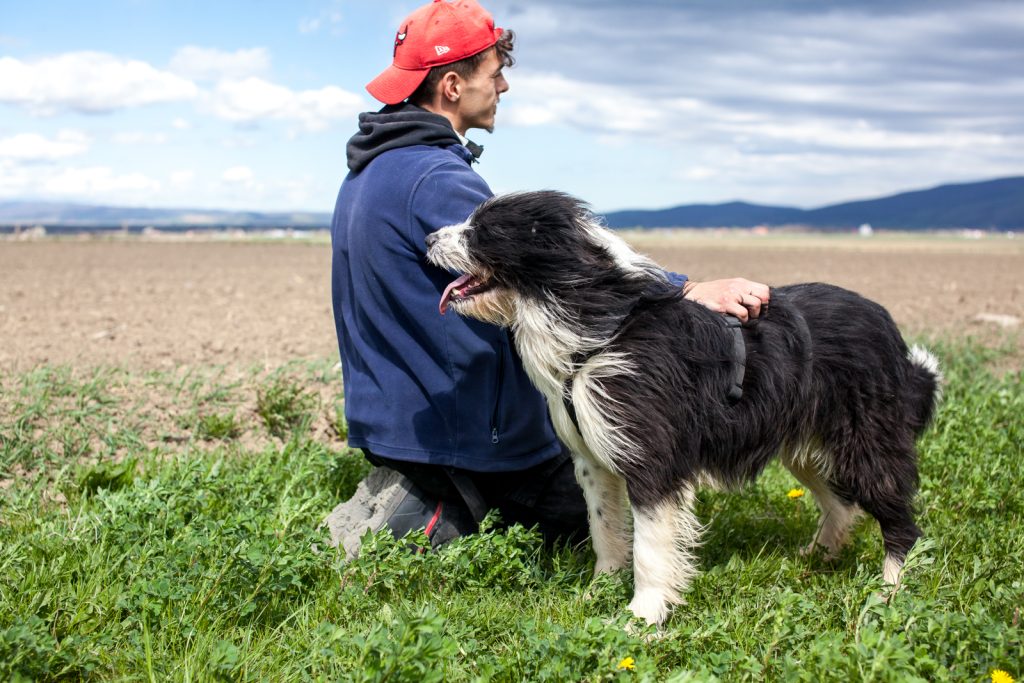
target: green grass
<point>165,527</point>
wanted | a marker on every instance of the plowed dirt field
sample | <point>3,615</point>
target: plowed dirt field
<point>144,304</point>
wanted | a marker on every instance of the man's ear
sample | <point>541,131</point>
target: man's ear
<point>451,86</point>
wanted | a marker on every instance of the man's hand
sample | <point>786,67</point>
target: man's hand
<point>735,296</point>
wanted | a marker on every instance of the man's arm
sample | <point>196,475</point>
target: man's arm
<point>447,195</point>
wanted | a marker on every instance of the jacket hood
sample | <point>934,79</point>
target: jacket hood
<point>394,126</point>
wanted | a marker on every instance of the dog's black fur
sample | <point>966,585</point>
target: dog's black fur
<point>825,367</point>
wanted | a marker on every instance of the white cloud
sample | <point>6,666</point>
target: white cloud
<point>139,138</point>
<point>211,64</point>
<point>863,136</point>
<point>96,180</point>
<point>34,147</point>
<point>331,17</point>
<point>250,99</point>
<point>255,99</point>
<point>847,74</point>
<point>239,183</point>
<point>182,179</point>
<point>238,175</point>
<point>310,25</point>
<point>88,82</point>
<point>554,99</point>
<point>98,82</point>
<point>14,179</point>
<point>301,191</point>
<point>617,114</point>
<point>240,141</point>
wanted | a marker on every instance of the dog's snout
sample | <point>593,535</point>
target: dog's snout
<point>432,239</point>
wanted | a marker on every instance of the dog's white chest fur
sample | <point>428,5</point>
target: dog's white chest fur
<point>548,349</point>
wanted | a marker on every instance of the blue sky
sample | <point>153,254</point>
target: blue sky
<point>248,105</point>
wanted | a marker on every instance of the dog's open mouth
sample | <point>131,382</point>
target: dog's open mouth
<point>465,287</point>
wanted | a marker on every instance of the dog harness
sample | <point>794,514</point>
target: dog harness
<point>739,359</point>
<point>738,367</point>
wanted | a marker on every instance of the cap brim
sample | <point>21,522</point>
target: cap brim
<point>394,85</point>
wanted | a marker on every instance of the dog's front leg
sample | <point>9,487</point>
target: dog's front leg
<point>664,536</point>
<point>605,493</point>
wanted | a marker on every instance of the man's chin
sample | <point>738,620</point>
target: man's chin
<point>482,125</point>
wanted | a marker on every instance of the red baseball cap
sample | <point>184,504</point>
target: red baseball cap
<point>439,33</point>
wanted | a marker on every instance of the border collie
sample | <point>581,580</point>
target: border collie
<point>638,382</point>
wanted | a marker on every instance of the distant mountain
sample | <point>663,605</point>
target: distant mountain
<point>85,216</point>
<point>989,205</point>
<point>731,214</point>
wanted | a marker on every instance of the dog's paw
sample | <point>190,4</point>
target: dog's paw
<point>609,566</point>
<point>651,606</point>
<point>643,631</point>
<point>815,548</point>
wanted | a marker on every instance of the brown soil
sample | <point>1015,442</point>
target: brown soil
<point>153,305</point>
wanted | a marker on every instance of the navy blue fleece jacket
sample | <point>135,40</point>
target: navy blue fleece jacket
<point>419,386</point>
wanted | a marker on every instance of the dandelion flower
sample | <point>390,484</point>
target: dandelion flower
<point>1000,676</point>
<point>795,493</point>
<point>629,663</point>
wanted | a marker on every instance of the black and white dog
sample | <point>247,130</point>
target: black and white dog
<point>638,384</point>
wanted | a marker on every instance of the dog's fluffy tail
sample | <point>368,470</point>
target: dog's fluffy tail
<point>924,386</point>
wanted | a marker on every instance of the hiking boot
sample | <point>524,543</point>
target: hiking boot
<point>387,498</point>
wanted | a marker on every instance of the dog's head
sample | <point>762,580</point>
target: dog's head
<point>538,246</point>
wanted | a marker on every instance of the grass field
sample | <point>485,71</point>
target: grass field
<point>164,526</point>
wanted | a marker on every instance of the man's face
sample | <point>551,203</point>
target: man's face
<point>478,102</point>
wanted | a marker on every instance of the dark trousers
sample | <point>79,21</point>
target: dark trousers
<point>546,496</point>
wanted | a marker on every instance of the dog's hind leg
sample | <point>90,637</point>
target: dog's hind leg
<point>664,536</point>
<point>837,516</point>
<point>880,474</point>
<point>605,493</point>
<point>899,533</point>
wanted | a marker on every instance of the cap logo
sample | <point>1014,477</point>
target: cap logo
<point>400,37</point>
<point>442,49</point>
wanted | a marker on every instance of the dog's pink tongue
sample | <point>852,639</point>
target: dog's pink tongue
<point>453,287</point>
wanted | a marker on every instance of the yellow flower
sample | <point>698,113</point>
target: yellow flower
<point>795,493</point>
<point>629,663</point>
<point>1000,676</point>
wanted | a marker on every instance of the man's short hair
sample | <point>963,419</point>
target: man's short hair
<point>465,67</point>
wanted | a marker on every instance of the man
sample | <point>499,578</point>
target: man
<point>441,405</point>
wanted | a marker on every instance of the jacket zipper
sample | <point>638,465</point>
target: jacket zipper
<point>497,398</point>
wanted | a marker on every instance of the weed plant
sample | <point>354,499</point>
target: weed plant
<point>190,549</point>
<point>284,406</point>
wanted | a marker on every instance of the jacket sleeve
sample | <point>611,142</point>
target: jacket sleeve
<point>675,278</point>
<point>446,195</point>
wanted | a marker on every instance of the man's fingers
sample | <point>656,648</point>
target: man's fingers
<point>738,310</point>
<point>736,296</point>
<point>762,292</point>
<point>752,303</point>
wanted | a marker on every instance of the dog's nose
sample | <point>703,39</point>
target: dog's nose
<point>431,238</point>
